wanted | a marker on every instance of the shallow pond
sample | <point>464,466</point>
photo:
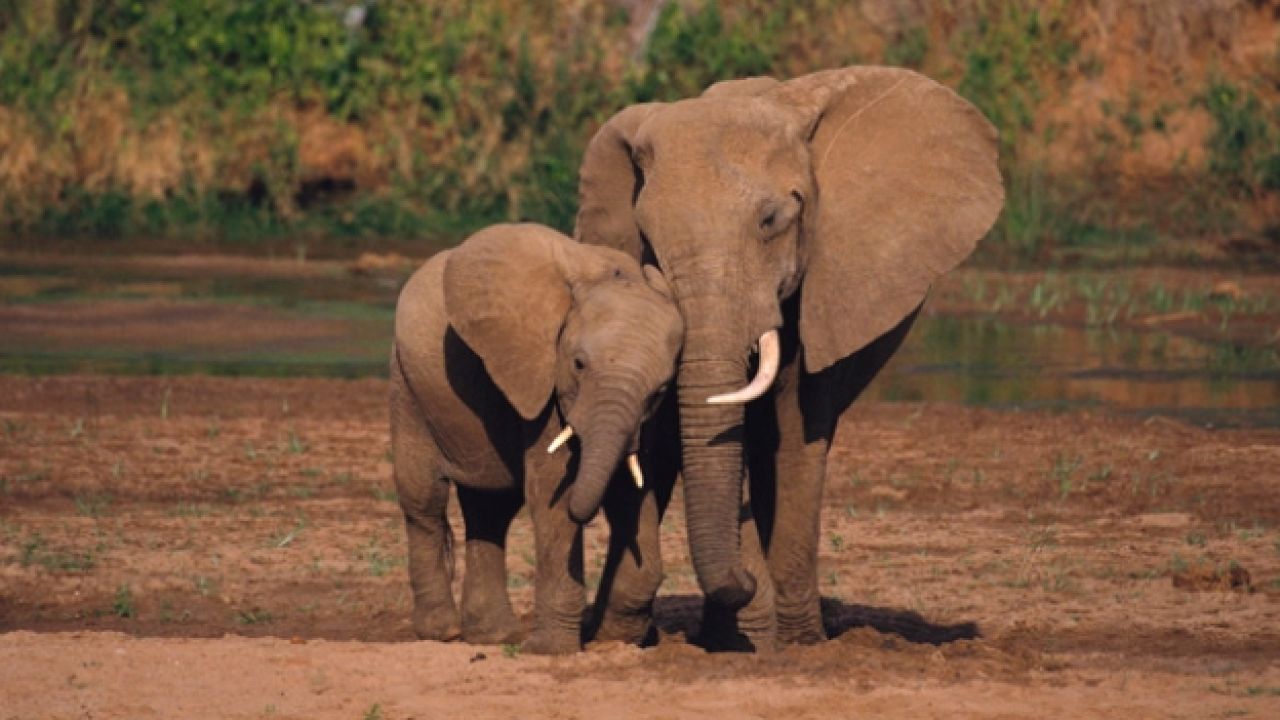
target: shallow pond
<point>85,319</point>
<point>982,360</point>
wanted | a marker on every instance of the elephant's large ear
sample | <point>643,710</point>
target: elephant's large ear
<point>907,185</point>
<point>506,295</point>
<point>739,87</point>
<point>608,184</point>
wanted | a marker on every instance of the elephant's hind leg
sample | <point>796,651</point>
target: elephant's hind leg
<point>424,497</point>
<point>487,617</point>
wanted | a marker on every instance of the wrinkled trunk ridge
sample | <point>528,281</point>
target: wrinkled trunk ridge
<point>711,443</point>
<point>603,444</point>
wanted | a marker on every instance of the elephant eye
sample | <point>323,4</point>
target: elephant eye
<point>579,364</point>
<point>767,221</point>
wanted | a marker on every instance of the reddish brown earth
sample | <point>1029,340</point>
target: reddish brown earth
<point>231,548</point>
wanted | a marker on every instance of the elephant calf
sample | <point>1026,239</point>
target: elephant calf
<point>487,335</point>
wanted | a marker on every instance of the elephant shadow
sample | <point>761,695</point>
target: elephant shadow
<point>682,614</point>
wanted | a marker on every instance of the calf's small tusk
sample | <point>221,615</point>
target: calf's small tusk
<point>561,439</point>
<point>633,464</point>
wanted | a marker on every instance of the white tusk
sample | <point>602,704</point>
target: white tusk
<point>633,464</point>
<point>561,439</point>
<point>769,356</point>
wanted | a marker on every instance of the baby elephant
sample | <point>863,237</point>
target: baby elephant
<point>484,334</point>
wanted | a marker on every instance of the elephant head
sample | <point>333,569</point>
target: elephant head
<point>544,313</point>
<point>852,188</point>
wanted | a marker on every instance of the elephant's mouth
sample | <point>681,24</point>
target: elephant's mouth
<point>595,470</point>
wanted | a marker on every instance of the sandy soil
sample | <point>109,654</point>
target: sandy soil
<point>231,548</point>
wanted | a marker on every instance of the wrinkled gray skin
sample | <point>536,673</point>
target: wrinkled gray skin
<point>822,207</point>
<point>485,335</point>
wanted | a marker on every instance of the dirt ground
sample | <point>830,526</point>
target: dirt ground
<point>178,547</point>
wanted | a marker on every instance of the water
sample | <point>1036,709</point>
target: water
<point>985,361</point>
<point>332,324</point>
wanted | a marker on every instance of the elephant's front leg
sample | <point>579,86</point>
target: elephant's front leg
<point>793,546</point>
<point>559,597</point>
<point>633,570</point>
<point>787,483</point>
<point>755,625</point>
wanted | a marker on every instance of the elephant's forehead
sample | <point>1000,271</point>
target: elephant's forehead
<point>717,123</point>
<point>630,301</point>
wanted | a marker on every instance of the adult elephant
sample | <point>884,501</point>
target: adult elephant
<point>806,219</point>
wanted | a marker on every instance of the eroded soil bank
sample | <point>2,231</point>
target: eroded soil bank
<point>231,547</point>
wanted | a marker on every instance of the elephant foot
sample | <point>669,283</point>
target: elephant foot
<point>723,631</point>
<point>800,619</point>
<point>436,623</point>
<point>634,629</point>
<point>493,629</point>
<point>551,642</point>
<point>762,633</point>
<point>805,630</point>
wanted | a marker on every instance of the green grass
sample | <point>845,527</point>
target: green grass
<point>295,444</point>
<point>377,560</point>
<point>254,616</point>
<point>1062,471</point>
<point>35,550</point>
<point>93,505</point>
<point>122,604</point>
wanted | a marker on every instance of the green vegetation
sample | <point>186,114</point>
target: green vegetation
<point>295,444</point>
<point>1062,470</point>
<point>36,551</point>
<point>93,504</point>
<point>288,122</point>
<point>689,51</point>
<point>909,48</point>
<point>122,603</point>
<point>253,616</point>
<point>1244,150</point>
<point>1008,50</point>
<point>379,562</point>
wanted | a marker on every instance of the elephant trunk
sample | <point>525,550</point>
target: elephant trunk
<point>711,440</point>
<point>604,436</point>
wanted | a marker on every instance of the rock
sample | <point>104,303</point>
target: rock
<point>370,263</point>
<point>1226,290</point>
<point>1233,578</point>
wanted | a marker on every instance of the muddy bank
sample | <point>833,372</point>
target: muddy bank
<point>242,537</point>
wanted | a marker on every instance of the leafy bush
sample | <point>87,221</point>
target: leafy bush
<point>467,113</point>
<point>1244,150</point>
<point>1007,51</point>
<point>689,51</point>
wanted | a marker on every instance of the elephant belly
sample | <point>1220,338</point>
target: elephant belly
<point>474,452</point>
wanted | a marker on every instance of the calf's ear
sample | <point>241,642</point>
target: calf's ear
<point>507,297</point>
